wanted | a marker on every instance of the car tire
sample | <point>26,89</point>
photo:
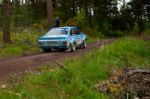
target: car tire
<point>71,48</point>
<point>46,50</point>
<point>62,49</point>
<point>84,45</point>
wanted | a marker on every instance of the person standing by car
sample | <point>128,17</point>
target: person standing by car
<point>57,21</point>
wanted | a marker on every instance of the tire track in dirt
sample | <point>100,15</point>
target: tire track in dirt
<point>11,66</point>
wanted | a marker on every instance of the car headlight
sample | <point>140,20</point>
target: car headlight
<point>40,43</point>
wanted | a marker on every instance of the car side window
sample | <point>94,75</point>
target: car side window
<point>72,31</point>
<point>77,31</point>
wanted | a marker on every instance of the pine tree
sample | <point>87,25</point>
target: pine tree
<point>49,12</point>
<point>6,24</point>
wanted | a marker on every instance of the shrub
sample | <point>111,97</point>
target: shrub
<point>147,28</point>
<point>81,19</point>
<point>118,33</point>
<point>147,31</point>
<point>136,29</point>
<point>106,27</point>
<point>37,26</point>
<point>71,22</point>
<point>81,22</point>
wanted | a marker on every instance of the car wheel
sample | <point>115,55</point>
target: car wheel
<point>63,49</point>
<point>73,48</point>
<point>69,48</point>
<point>84,45</point>
<point>47,50</point>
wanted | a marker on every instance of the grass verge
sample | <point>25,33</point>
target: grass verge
<point>23,43</point>
<point>78,82</point>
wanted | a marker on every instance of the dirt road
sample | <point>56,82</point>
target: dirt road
<point>11,66</point>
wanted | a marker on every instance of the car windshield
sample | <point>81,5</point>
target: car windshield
<point>58,31</point>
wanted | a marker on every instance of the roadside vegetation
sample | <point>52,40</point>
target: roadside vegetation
<point>23,43</point>
<point>77,82</point>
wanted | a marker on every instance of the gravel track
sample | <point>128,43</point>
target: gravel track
<point>11,66</point>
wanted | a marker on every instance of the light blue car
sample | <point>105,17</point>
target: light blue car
<point>65,38</point>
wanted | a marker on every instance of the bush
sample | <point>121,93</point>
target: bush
<point>118,33</point>
<point>24,41</point>
<point>106,27</point>
<point>147,28</point>
<point>136,29</point>
<point>71,22</point>
<point>81,22</point>
<point>81,19</point>
<point>147,25</point>
<point>37,26</point>
<point>147,31</point>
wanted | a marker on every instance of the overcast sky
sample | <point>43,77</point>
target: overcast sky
<point>121,3</point>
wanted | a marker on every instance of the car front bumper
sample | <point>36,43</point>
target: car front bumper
<point>54,47</point>
<point>53,44</point>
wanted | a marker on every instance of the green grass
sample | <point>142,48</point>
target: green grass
<point>91,39</point>
<point>24,42</point>
<point>83,73</point>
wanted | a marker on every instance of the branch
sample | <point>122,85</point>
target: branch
<point>60,65</point>
<point>138,71</point>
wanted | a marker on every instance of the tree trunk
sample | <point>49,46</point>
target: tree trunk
<point>49,12</point>
<point>6,22</point>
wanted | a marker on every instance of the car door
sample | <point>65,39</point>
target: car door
<point>72,35</point>
<point>78,36</point>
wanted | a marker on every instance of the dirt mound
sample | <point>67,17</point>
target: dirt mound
<point>126,84</point>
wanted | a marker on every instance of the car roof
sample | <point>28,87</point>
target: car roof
<point>65,27</point>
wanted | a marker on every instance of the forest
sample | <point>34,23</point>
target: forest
<point>113,63</point>
<point>110,17</point>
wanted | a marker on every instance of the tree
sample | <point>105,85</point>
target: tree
<point>49,12</point>
<point>0,16</point>
<point>6,22</point>
<point>140,12</point>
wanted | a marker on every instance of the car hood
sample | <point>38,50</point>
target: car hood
<point>53,37</point>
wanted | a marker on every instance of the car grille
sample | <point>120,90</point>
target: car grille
<point>52,42</point>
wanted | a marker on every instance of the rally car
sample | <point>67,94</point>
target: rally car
<point>66,38</point>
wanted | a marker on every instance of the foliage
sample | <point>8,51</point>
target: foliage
<point>147,31</point>
<point>82,74</point>
<point>110,19</point>
<point>106,27</point>
<point>71,22</point>
<point>24,42</point>
<point>81,19</point>
<point>136,29</point>
<point>147,28</point>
